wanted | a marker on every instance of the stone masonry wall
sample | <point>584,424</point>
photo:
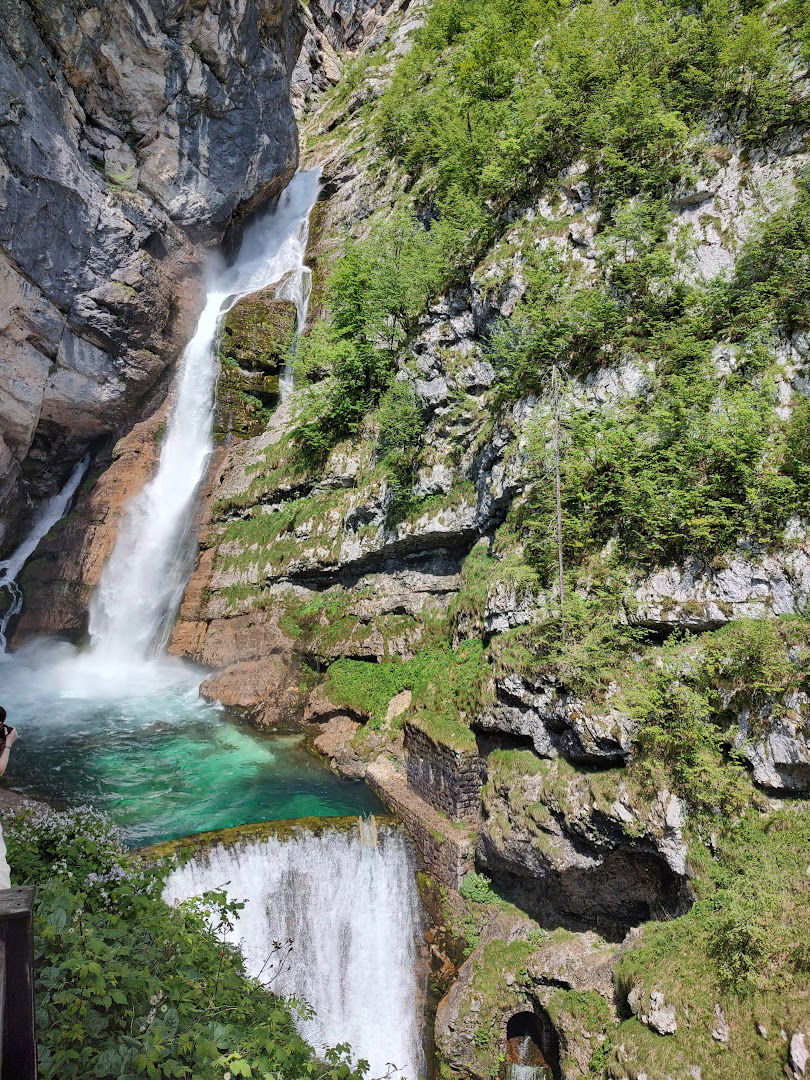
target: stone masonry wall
<point>445,849</point>
<point>450,780</point>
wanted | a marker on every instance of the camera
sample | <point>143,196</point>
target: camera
<point>5,731</point>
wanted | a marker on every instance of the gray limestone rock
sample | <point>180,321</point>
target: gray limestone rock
<point>750,583</point>
<point>655,1013</point>
<point>128,132</point>
<point>557,722</point>
<point>778,746</point>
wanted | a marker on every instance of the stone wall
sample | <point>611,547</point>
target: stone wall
<point>446,849</point>
<point>450,780</point>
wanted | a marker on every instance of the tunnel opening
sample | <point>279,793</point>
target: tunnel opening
<point>532,1049</point>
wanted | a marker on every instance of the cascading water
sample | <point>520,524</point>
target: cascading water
<point>348,902</point>
<point>119,725</point>
<point>122,726</point>
<point>49,514</point>
<point>133,609</point>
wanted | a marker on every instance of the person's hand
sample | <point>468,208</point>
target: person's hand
<point>11,738</point>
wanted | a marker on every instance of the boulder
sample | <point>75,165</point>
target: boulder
<point>264,690</point>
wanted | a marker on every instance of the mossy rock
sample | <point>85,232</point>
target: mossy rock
<point>245,401</point>
<point>241,835</point>
<point>255,342</point>
<point>257,333</point>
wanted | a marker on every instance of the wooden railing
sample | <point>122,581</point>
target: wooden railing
<point>18,1047</point>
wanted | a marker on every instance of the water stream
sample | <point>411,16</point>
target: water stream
<point>134,607</point>
<point>50,512</point>
<point>347,903</point>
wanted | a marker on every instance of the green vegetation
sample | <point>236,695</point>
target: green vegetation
<point>373,294</point>
<point>493,103</point>
<point>478,889</point>
<point>699,458</point>
<point>128,987</point>
<point>401,426</point>
<point>688,701</point>
<point>685,696</point>
<point>497,96</point>
<point>742,947</point>
<point>447,685</point>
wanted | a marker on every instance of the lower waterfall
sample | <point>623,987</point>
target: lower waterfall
<point>348,903</point>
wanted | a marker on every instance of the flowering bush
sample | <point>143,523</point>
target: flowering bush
<point>129,987</point>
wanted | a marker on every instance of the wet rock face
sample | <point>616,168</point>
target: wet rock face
<point>58,581</point>
<point>129,132</point>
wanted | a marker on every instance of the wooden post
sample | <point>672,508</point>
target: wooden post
<point>18,1046</point>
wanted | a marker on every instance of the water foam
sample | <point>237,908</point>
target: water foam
<point>348,903</point>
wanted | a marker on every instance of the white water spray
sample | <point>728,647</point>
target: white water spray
<point>49,514</point>
<point>348,903</point>
<point>133,609</point>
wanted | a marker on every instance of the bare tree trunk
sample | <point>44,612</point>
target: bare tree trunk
<point>555,405</point>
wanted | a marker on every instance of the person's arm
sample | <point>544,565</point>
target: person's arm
<point>11,738</point>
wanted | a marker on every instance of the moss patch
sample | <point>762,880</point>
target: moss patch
<point>254,346</point>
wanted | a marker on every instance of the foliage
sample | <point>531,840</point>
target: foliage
<point>128,987</point>
<point>498,95</point>
<point>741,946</point>
<point>401,427</point>
<point>478,889</point>
<point>447,685</point>
<point>770,288</point>
<point>687,701</point>
<point>375,290</point>
<point>696,460</point>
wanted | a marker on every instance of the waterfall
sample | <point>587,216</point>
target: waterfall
<point>348,903</point>
<point>297,287</point>
<point>133,609</point>
<point>49,514</point>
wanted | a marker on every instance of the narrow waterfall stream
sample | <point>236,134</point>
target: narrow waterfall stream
<point>134,607</point>
<point>348,903</point>
<point>51,512</point>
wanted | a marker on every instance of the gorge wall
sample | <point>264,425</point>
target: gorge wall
<point>129,136</point>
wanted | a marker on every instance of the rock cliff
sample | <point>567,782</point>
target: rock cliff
<point>528,546</point>
<point>129,134</point>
